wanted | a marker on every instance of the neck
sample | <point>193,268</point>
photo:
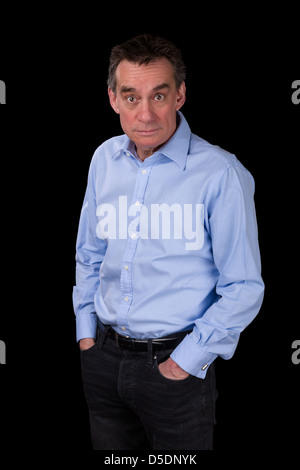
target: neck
<point>145,153</point>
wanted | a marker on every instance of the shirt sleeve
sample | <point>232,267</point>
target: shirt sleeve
<point>231,224</point>
<point>90,251</point>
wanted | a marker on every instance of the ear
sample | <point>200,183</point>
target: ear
<point>113,100</point>
<point>180,100</point>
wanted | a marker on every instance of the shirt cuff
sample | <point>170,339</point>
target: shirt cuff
<point>86,326</point>
<point>192,358</point>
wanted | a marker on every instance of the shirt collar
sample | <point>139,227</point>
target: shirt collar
<point>176,148</point>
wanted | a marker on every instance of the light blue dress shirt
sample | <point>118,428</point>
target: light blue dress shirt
<point>167,245</point>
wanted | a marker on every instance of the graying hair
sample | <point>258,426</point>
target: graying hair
<point>144,49</point>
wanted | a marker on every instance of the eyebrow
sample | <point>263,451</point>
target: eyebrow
<point>125,89</point>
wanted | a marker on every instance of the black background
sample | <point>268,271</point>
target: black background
<point>239,77</point>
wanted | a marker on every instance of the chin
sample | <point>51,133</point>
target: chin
<point>148,143</point>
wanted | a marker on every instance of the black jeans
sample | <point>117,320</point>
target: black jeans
<point>133,406</point>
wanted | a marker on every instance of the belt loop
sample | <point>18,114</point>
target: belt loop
<point>103,336</point>
<point>150,351</point>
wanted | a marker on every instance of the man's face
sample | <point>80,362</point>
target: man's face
<point>147,100</point>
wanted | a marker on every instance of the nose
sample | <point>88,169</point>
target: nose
<point>145,112</point>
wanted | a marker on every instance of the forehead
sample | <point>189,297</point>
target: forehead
<point>133,75</point>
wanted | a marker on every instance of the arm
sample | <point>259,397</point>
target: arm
<point>90,251</point>
<point>231,223</point>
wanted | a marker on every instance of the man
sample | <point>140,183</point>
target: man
<point>168,265</point>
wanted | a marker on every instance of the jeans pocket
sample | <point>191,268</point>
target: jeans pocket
<point>158,361</point>
<point>86,351</point>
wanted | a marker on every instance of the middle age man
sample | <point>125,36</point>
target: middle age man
<point>168,265</point>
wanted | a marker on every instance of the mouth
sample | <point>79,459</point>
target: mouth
<point>147,133</point>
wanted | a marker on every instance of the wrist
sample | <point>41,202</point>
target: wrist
<point>176,368</point>
<point>171,370</point>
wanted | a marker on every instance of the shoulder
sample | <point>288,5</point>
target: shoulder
<point>213,158</point>
<point>103,157</point>
<point>109,148</point>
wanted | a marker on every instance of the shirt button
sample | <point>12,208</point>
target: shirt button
<point>126,267</point>
<point>144,172</point>
<point>123,328</point>
<point>126,299</point>
<point>137,203</point>
<point>127,154</point>
<point>133,235</point>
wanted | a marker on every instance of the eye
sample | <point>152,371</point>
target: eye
<point>159,97</point>
<point>131,99</point>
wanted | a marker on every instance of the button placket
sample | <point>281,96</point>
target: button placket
<point>131,246</point>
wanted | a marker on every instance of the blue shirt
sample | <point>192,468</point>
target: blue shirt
<point>167,245</point>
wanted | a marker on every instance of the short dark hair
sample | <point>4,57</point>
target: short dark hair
<point>143,49</point>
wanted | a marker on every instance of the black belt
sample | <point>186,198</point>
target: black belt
<point>142,345</point>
